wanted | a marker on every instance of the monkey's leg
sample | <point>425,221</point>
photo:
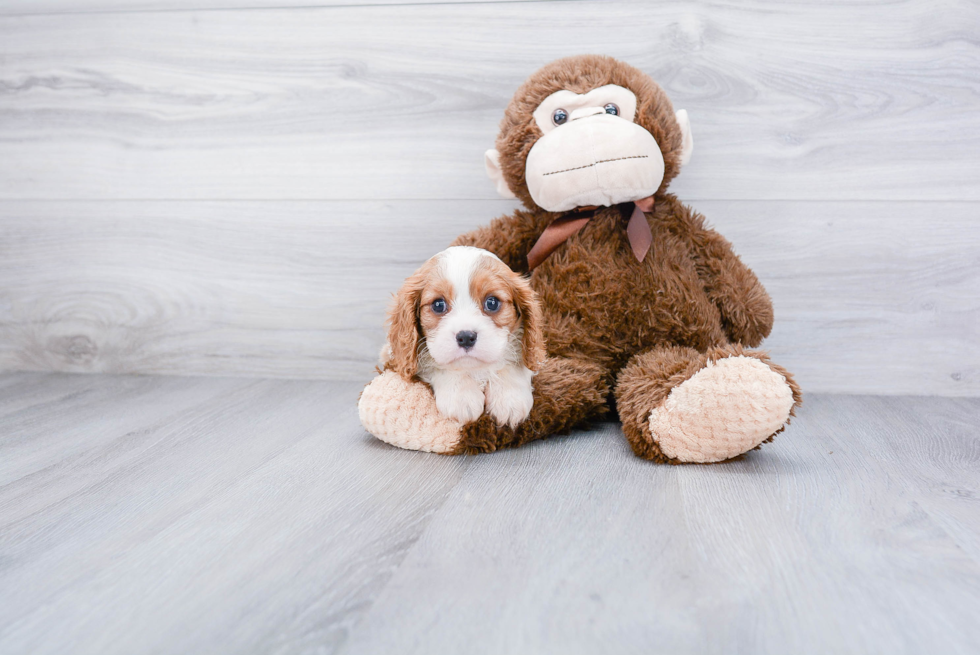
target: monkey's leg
<point>567,391</point>
<point>679,405</point>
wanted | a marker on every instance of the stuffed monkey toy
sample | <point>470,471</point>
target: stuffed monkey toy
<point>645,310</point>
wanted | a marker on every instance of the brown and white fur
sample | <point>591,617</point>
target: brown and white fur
<point>469,326</point>
<point>670,338</point>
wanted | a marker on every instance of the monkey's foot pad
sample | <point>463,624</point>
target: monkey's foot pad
<point>404,414</point>
<point>727,408</point>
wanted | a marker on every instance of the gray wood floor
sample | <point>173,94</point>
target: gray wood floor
<point>207,515</point>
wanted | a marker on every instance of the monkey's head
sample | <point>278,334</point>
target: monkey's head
<point>588,130</point>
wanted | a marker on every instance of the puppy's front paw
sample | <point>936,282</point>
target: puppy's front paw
<point>509,397</point>
<point>461,402</point>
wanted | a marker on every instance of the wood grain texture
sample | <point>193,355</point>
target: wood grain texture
<point>869,296</point>
<point>49,7</point>
<point>787,100</point>
<point>179,515</point>
<point>324,152</point>
<point>826,541</point>
<point>174,515</point>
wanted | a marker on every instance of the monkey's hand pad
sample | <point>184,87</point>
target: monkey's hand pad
<point>404,414</point>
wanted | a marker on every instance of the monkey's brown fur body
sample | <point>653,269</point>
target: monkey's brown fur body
<point>612,322</point>
<point>634,330</point>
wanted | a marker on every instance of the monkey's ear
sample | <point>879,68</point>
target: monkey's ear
<point>492,161</point>
<point>687,143</point>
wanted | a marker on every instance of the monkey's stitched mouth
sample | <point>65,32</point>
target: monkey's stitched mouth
<point>601,161</point>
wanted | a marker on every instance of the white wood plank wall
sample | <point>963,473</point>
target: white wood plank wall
<point>228,187</point>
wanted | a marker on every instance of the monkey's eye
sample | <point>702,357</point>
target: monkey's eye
<point>491,304</point>
<point>612,109</point>
<point>560,116</point>
<point>439,306</point>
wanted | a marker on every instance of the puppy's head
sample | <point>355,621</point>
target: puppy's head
<point>466,310</point>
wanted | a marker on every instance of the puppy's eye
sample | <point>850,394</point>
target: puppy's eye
<point>612,109</point>
<point>491,304</point>
<point>560,116</point>
<point>439,306</point>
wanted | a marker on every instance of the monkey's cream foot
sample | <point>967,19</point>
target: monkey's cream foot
<point>679,405</point>
<point>727,408</point>
<point>404,414</point>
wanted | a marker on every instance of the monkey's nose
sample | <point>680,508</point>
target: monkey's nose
<point>585,112</point>
<point>466,339</point>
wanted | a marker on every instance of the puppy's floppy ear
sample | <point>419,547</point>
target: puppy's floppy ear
<point>404,331</point>
<point>532,343</point>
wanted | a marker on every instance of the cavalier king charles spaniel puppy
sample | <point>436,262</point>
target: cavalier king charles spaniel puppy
<point>469,327</point>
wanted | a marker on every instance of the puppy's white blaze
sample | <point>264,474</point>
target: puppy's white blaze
<point>465,314</point>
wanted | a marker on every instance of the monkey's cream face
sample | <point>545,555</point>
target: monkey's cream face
<point>591,151</point>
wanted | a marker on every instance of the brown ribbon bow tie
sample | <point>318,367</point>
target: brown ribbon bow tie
<point>563,227</point>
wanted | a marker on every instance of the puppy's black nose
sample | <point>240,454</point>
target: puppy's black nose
<point>466,339</point>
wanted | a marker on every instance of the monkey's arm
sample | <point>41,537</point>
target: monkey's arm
<point>509,237</point>
<point>746,309</point>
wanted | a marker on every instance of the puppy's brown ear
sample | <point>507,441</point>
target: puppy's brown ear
<point>532,343</point>
<point>404,330</point>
